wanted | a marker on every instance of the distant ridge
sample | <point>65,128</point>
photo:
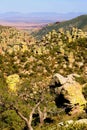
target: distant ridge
<point>79,22</point>
<point>37,16</point>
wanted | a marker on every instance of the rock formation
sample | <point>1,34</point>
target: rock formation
<point>69,93</point>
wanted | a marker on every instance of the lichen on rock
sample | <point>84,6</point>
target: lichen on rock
<point>12,81</point>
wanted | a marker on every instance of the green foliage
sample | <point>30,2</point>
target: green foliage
<point>35,70</point>
<point>11,121</point>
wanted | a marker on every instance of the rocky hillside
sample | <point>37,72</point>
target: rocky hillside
<point>56,52</point>
<point>12,39</point>
<point>26,77</point>
<point>79,22</point>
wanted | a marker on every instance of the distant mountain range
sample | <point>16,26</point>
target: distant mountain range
<point>38,17</point>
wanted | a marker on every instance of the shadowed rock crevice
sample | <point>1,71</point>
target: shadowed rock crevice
<point>61,101</point>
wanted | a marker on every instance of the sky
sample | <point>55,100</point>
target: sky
<point>59,6</point>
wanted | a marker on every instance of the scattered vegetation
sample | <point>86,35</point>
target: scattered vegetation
<point>79,22</point>
<point>27,66</point>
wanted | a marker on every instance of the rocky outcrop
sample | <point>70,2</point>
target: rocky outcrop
<point>81,121</point>
<point>69,93</point>
<point>71,122</point>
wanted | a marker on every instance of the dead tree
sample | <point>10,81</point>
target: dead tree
<point>42,115</point>
<point>27,121</point>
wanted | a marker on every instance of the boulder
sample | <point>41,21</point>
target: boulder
<point>72,122</point>
<point>69,93</point>
<point>81,121</point>
<point>73,93</point>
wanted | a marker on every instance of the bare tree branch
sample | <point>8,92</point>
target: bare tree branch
<point>21,115</point>
<point>42,115</point>
<point>33,110</point>
<point>27,121</point>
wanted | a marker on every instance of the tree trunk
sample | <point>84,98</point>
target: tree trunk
<point>29,127</point>
<point>28,122</point>
<point>42,115</point>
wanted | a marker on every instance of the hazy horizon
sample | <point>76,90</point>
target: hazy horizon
<point>37,11</point>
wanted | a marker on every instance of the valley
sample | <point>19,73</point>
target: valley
<point>43,75</point>
<point>27,26</point>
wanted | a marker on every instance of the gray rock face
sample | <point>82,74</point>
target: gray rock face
<point>62,80</point>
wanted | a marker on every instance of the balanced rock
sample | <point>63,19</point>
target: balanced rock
<point>69,92</point>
